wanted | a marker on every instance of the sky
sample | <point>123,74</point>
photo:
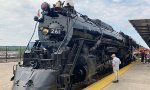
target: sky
<point>17,24</point>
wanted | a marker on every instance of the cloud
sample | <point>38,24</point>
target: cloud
<point>16,18</point>
<point>116,0</point>
<point>118,14</point>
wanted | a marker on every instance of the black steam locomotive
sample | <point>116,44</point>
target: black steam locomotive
<point>72,49</point>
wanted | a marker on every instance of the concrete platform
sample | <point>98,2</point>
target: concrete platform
<point>6,72</point>
<point>135,76</point>
<point>132,77</point>
<point>138,78</point>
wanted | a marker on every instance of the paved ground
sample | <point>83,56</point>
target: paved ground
<point>5,75</point>
<point>138,78</point>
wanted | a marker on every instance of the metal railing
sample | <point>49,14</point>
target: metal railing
<point>11,53</point>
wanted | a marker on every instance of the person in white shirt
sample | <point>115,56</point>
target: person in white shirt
<point>115,64</point>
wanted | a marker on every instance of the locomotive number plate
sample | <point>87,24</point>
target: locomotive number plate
<point>55,31</point>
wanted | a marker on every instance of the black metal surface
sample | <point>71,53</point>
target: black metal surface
<point>72,49</point>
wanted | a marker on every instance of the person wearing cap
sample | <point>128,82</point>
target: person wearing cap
<point>115,64</point>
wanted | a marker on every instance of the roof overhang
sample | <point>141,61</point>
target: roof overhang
<point>142,26</point>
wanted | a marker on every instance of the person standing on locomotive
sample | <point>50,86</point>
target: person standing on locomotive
<point>115,64</point>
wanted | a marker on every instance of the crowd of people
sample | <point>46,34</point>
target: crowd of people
<point>145,57</point>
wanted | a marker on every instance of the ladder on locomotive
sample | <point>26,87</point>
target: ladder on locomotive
<point>69,67</point>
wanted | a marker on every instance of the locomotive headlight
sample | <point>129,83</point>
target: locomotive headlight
<point>45,31</point>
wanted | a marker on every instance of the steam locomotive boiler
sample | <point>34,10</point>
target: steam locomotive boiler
<point>72,49</point>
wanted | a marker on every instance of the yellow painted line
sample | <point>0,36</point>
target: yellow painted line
<point>107,86</point>
<point>106,82</point>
